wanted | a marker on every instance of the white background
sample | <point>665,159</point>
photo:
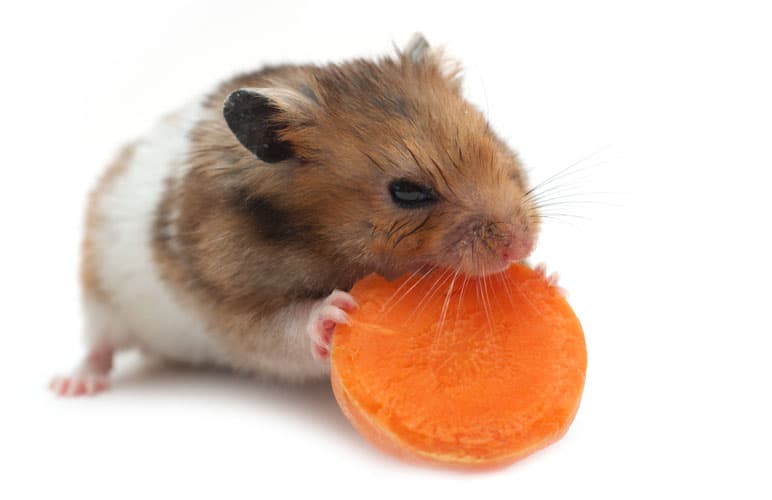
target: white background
<point>668,266</point>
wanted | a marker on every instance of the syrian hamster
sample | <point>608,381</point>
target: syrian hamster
<point>230,234</point>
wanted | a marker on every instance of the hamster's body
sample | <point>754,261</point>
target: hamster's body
<point>130,298</point>
<point>227,235</point>
<point>125,297</point>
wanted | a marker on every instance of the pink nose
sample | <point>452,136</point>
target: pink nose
<point>517,249</point>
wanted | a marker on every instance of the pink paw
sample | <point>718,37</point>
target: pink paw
<point>552,279</point>
<point>79,384</point>
<point>324,317</point>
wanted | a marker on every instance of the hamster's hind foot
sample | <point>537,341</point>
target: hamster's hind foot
<point>78,384</point>
<point>90,378</point>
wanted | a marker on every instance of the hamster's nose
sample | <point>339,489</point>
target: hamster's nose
<point>517,248</point>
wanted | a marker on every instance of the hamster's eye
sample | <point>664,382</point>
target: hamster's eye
<point>407,194</point>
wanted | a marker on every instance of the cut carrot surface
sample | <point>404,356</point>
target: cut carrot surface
<point>456,371</point>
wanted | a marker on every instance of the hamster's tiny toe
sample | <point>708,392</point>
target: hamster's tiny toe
<point>320,352</point>
<point>78,384</point>
<point>342,299</point>
<point>328,313</point>
<point>552,279</point>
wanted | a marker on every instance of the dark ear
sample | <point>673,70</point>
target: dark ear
<point>255,119</point>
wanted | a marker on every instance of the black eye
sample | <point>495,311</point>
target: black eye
<point>408,194</point>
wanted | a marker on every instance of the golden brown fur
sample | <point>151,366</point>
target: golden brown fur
<point>250,237</point>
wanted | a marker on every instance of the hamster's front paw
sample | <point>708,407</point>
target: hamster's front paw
<point>327,313</point>
<point>552,279</point>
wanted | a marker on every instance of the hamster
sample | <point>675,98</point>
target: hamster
<point>230,234</point>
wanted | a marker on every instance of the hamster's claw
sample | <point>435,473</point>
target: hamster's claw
<point>325,315</point>
<point>551,279</point>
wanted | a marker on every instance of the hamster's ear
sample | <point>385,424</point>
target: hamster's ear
<point>417,48</point>
<point>419,52</point>
<point>257,116</point>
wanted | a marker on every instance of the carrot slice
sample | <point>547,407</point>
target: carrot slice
<point>469,372</point>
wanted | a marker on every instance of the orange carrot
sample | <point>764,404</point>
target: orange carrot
<point>469,372</point>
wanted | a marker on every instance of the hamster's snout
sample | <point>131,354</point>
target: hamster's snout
<point>509,243</point>
<point>500,244</point>
<point>516,249</point>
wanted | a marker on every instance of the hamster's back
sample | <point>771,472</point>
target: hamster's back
<point>121,278</point>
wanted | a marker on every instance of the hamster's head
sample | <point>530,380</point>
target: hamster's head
<point>387,166</point>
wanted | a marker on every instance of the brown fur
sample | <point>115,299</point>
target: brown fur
<point>89,269</point>
<point>252,237</point>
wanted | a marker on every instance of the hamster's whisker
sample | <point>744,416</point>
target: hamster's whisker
<point>407,292</point>
<point>550,220</point>
<point>522,292</point>
<point>420,227</point>
<point>437,285</point>
<point>446,303</point>
<point>486,298</point>
<point>574,205</point>
<point>395,228</point>
<point>558,192</point>
<point>579,196</point>
<point>567,170</point>
<point>502,278</point>
<point>507,284</point>
<point>570,192</point>
<point>461,297</point>
<point>566,179</point>
<point>565,189</point>
<point>487,306</point>
<point>494,292</point>
<point>477,290</point>
<point>401,287</point>
<point>558,215</point>
<point>565,183</point>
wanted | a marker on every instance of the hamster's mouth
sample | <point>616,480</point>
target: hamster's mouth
<point>481,257</point>
<point>485,265</point>
<point>417,268</point>
<point>464,269</point>
<point>479,267</point>
<point>489,269</point>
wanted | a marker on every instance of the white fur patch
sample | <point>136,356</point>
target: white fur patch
<point>143,311</point>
